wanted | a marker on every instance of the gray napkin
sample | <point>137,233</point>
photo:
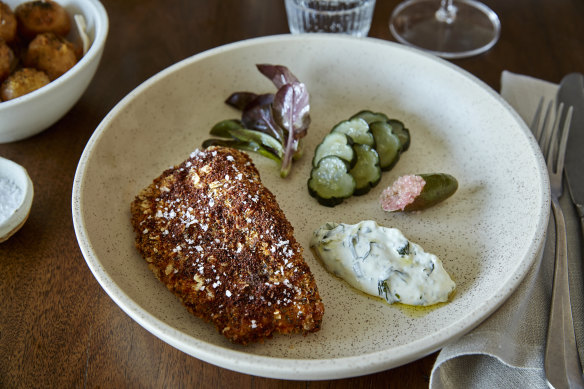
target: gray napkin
<point>506,350</point>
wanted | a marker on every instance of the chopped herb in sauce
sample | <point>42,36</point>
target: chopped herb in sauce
<point>375,260</point>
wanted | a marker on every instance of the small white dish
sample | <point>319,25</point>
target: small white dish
<point>17,176</point>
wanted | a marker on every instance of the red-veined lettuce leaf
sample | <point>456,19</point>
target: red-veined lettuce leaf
<point>290,110</point>
<point>283,116</point>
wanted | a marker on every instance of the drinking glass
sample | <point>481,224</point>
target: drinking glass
<point>351,17</point>
<point>449,28</point>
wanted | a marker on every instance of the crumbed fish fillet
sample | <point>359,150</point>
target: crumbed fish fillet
<point>216,237</point>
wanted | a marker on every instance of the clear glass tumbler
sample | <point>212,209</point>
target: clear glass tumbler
<point>351,17</point>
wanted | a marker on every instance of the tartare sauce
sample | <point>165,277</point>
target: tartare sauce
<point>382,262</point>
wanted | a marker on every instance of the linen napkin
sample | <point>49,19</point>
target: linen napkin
<point>507,349</point>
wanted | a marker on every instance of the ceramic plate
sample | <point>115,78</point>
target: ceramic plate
<point>487,234</point>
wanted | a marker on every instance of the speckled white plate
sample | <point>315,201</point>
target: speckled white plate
<point>487,234</point>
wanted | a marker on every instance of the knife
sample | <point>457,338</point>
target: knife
<point>571,92</point>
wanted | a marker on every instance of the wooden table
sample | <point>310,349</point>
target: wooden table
<point>57,326</point>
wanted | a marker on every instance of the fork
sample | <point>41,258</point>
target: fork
<point>561,361</point>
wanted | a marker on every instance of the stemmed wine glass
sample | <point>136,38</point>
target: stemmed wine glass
<point>451,29</point>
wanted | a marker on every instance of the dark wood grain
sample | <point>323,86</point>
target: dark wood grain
<point>58,328</point>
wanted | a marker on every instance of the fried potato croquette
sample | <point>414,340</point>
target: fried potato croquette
<point>34,49</point>
<point>7,23</point>
<point>50,53</point>
<point>36,17</point>
<point>21,82</point>
<point>7,60</point>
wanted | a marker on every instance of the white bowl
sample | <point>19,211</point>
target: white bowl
<point>487,235</point>
<point>34,112</point>
<point>16,175</point>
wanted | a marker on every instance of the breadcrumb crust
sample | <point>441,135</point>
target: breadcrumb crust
<point>217,238</point>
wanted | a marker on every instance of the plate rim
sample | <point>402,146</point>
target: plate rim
<point>291,368</point>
